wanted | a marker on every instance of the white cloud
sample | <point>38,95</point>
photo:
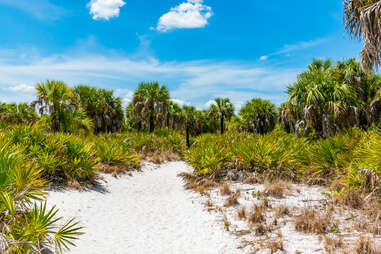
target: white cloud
<point>189,14</point>
<point>286,49</point>
<point>126,95</point>
<point>209,103</point>
<point>40,9</point>
<point>193,82</point>
<point>179,102</point>
<point>22,88</point>
<point>263,58</point>
<point>105,9</point>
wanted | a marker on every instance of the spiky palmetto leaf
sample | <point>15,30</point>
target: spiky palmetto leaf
<point>26,228</point>
<point>362,20</point>
<point>65,235</point>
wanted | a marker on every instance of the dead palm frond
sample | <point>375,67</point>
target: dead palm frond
<point>362,20</point>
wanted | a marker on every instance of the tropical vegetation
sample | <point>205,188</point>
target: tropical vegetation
<point>328,132</point>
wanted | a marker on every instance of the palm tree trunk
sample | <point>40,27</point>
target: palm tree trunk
<point>187,135</point>
<point>151,123</point>
<point>222,124</point>
<point>167,121</point>
<point>139,126</point>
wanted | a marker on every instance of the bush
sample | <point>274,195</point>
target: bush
<point>26,228</point>
<point>365,171</point>
<point>258,116</point>
<point>112,152</point>
<point>274,154</point>
<point>59,156</point>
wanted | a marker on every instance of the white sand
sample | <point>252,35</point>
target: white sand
<point>149,212</point>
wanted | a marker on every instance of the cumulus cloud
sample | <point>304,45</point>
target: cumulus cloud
<point>179,102</point>
<point>189,14</point>
<point>105,9</point>
<point>209,103</point>
<point>126,95</point>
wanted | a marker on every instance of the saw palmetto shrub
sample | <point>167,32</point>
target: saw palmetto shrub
<point>272,155</point>
<point>28,226</point>
<point>59,156</point>
<point>330,158</point>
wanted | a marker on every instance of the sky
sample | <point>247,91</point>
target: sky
<point>199,49</point>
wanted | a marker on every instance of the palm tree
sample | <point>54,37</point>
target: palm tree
<point>258,116</point>
<point>222,109</point>
<point>17,113</point>
<point>175,116</point>
<point>362,20</point>
<point>327,99</point>
<point>150,104</point>
<point>60,103</point>
<point>102,107</point>
<point>189,116</point>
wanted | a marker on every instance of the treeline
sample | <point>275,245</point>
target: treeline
<point>325,100</point>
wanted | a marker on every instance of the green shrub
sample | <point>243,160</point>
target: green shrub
<point>27,228</point>
<point>274,154</point>
<point>366,163</point>
<point>113,152</point>
<point>331,157</point>
<point>80,157</point>
<point>58,155</point>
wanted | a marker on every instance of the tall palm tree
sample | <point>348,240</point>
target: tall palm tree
<point>223,109</point>
<point>150,104</point>
<point>60,103</point>
<point>362,20</point>
<point>102,107</point>
<point>258,116</point>
<point>175,116</point>
<point>189,119</point>
<point>328,99</point>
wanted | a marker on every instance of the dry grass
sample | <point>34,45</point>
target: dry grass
<point>242,213</point>
<point>209,203</point>
<point>197,183</point>
<point>226,223</point>
<point>116,170</point>
<point>250,180</point>
<point>262,229</point>
<point>232,200</point>
<point>225,189</point>
<point>281,211</point>
<point>72,183</point>
<point>275,245</point>
<point>312,221</point>
<point>351,197</point>
<point>366,246</point>
<point>257,214</point>
<point>276,189</point>
<point>161,157</point>
<point>331,244</point>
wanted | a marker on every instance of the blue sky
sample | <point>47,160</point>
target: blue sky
<point>200,49</point>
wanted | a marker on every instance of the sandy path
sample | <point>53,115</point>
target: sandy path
<point>149,212</point>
